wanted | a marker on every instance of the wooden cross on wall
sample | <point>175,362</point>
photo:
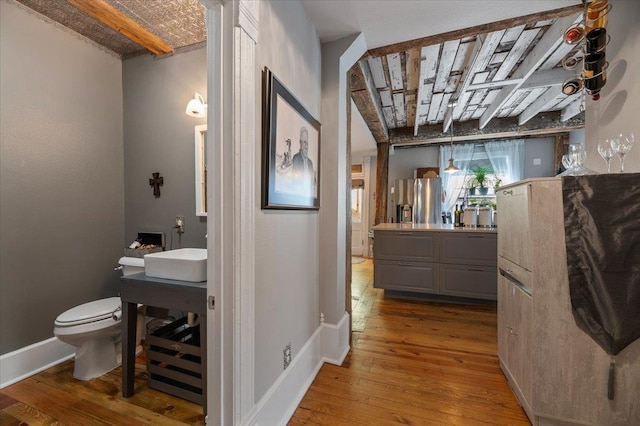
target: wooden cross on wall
<point>156,182</point>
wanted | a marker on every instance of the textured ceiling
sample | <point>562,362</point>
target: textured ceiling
<point>179,23</point>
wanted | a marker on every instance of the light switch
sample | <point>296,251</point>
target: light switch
<point>537,161</point>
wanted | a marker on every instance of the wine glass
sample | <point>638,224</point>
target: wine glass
<point>606,152</point>
<point>621,145</point>
<point>568,162</point>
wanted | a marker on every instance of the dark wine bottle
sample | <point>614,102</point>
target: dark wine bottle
<point>456,217</point>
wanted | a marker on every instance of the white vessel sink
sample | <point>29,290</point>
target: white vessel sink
<point>187,264</point>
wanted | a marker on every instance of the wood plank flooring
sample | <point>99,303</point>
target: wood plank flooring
<point>54,397</point>
<point>413,363</point>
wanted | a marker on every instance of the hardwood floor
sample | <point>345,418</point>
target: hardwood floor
<point>54,397</point>
<point>413,363</point>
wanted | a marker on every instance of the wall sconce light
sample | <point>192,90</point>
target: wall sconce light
<point>196,107</point>
<point>451,168</point>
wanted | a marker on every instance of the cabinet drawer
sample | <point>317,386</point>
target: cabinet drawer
<point>411,246</point>
<point>478,282</point>
<point>514,229</point>
<point>471,248</point>
<point>406,276</point>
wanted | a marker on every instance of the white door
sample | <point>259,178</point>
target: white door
<point>358,218</point>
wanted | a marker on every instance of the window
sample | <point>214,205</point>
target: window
<point>503,160</point>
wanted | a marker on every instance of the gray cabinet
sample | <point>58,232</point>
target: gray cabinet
<point>558,373</point>
<point>477,282</point>
<point>469,248</point>
<point>406,246</point>
<point>514,336</point>
<point>406,261</point>
<point>515,245</point>
<point>468,265</point>
<point>450,263</point>
<point>419,277</point>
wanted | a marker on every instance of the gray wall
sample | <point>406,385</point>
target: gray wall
<point>286,292</point>
<point>539,149</point>
<point>403,164</point>
<point>61,175</point>
<point>617,110</point>
<point>159,137</point>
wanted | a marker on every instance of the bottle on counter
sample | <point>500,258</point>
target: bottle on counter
<point>461,215</point>
<point>456,217</point>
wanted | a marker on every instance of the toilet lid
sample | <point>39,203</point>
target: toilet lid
<point>89,312</point>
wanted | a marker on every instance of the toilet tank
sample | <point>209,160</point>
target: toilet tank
<point>131,265</point>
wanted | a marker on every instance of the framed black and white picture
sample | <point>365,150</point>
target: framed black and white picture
<point>290,150</point>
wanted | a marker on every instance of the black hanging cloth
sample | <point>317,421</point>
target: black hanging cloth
<point>602,236</point>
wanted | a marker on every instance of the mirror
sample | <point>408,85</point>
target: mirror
<point>201,169</point>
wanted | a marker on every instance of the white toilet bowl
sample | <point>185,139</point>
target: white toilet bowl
<point>95,333</point>
<point>95,329</point>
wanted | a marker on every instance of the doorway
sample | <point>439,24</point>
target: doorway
<point>358,216</point>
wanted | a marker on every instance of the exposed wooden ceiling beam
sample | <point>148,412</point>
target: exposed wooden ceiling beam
<point>362,92</point>
<point>428,67</point>
<point>484,48</point>
<point>573,109</point>
<point>547,44</point>
<point>540,104</point>
<point>543,124</point>
<point>478,29</point>
<point>112,17</point>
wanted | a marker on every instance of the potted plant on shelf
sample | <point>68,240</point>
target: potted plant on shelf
<point>472,185</point>
<point>480,177</point>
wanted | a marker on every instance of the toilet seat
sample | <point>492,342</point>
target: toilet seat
<point>97,310</point>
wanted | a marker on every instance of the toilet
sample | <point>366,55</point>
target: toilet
<point>95,329</point>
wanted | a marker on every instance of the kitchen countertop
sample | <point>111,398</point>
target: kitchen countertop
<point>429,227</point>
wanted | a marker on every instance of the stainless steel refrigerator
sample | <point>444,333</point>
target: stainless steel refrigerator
<point>422,197</point>
<point>427,200</point>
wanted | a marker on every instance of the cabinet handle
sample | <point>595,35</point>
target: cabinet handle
<point>508,275</point>
<point>405,233</point>
<point>507,192</point>
<point>512,332</point>
<point>470,268</point>
<point>475,236</point>
<point>404,264</point>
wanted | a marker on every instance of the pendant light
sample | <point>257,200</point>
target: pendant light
<point>451,168</point>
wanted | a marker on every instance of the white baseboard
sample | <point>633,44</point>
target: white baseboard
<point>329,343</point>
<point>32,359</point>
<point>335,341</point>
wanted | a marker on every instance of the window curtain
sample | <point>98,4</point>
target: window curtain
<point>507,159</point>
<point>453,183</point>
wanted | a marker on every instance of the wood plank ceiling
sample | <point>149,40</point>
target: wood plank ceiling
<point>497,80</point>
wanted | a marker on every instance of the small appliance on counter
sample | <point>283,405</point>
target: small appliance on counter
<point>470,217</point>
<point>485,217</point>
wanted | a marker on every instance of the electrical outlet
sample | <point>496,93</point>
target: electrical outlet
<point>180,224</point>
<point>287,355</point>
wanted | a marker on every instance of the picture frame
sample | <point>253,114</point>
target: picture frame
<point>290,150</point>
